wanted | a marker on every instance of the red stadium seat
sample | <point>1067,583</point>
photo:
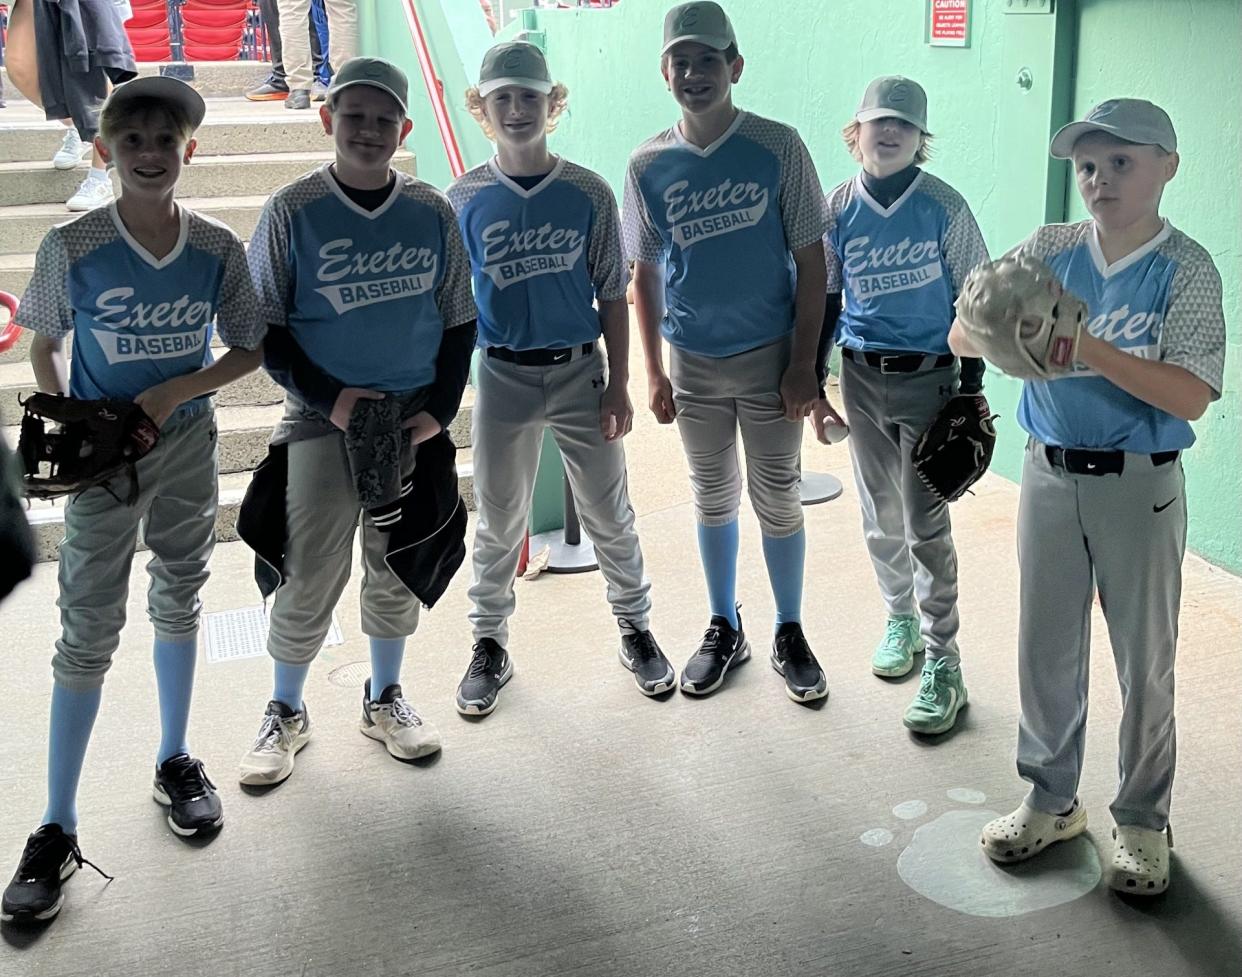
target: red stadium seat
<point>211,17</point>
<point>148,36</point>
<point>148,17</point>
<point>211,35</point>
<point>212,52</point>
<point>153,52</point>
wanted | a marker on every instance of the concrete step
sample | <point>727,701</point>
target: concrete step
<point>47,519</point>
<point>233,126</point>
<point>23,226</point>
<point>210,78</point>
<point>208,176</point>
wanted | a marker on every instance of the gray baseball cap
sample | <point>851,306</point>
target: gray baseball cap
<point>375,73</point>
<point>702,22</point>
<point>514,63</point>
<point>166,90</point>
<point>1132,119</point>
<point>893,96</point>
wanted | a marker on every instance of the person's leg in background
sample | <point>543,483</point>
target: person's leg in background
<point>276,87</point>
<point>294,15</point>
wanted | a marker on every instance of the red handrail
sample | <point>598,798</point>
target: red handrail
<point>435,90</point>
<point>10,331</point>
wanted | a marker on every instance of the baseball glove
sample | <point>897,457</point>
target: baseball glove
<point>956,449</point>
<point>92,442</point>
<point>1017,314</point>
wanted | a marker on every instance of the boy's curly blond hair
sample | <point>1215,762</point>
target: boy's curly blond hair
<point>558,100</point>
<point>850,134</point>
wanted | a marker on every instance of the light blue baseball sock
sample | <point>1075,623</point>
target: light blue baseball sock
<point>289,682</point>
<point>174,680</point>
<point>386,655</point>
<point>69,732</point>
<point>718,551</point>
<point>786,558</point>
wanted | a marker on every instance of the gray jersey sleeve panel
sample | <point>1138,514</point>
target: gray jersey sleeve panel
<point>834,203</point>
<point>803,210</point>
<point>605,255</point>
<point>238,320</point>
<point>1193,335</point>
<point>641,237</point>
<point>454,296</point>
<point>963,247</point>
<point>45,307</point>
<point>463,189</point>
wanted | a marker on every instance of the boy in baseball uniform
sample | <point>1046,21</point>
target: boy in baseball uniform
<point>138,284</point>
<point>365,286</point>
<point>1103,504</point>
<point>723,216</point>
<point>900,243</point>
<point>549,277</point>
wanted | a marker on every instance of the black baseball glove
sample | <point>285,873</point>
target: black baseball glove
<point>91,442</point>
<point>956,449</point>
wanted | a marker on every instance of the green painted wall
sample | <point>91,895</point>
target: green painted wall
<point>809,60</point>
<point>1187,57</point>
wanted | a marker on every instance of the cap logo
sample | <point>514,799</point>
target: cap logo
<point>688,19</point>
<point>374,71</point>
<point>899,93</point>
<point>512,61</point>
<point>1104,109</point>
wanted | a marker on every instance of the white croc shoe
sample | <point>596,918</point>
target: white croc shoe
<point>1140,864</point>
<point>1026,832</point>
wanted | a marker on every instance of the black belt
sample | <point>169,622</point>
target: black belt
<point>538,357</point>
<point>1079,461</point>
<point>898,362</point>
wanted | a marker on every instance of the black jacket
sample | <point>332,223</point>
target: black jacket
<point>424,550</point>
<point>80,45</point>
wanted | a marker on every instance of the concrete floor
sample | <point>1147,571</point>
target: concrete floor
<point>584,829</point>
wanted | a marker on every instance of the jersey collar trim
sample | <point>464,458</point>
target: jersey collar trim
<point>720,140</point>
<point>505,180</point>
<point>1121,264</point>
<point>874,204</point>
<point>157,263</point>
<point>370,215</point>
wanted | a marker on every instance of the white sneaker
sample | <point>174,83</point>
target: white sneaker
<point>1140,864</point>
<point>72,151</point>
<point>92,193</point>
<point>1026,832</point>
<point>283,733</point>
<point>394,722</point>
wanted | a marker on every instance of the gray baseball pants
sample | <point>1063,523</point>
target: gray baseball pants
<point>1125,535</point>
<point>176,514</point>
<point>716,397</point>
<point>907,528</point>
<point>513,405</point>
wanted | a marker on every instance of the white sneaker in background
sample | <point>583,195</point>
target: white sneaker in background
<point>94,191</point>
<point>72,151</point>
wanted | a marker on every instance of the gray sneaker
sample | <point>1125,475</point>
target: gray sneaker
<point>282,733</point>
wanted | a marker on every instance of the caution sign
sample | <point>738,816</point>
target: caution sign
<point>948,23</point>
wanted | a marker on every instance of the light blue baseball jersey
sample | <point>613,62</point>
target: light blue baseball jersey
<point>366,294</point>
<point>138,320</point>
<point>899,267</point>
<point>1160,302</point>
<point>724,221</point>
<point>542,256</point>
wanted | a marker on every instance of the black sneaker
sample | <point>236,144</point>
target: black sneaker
<point>299,98</point>
<point>181,785</point>
<point>792,657</point>
<point>49,858</point>
<point>490,668</point>
<point>721,649</point>
<point>642,656</point>
<point>269,91</point>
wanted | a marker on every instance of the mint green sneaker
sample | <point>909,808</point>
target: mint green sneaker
<point>941,695</point>
<point>894,655</point>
